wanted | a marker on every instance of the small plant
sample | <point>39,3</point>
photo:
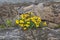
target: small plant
<point>8,22</point>
<point>28,20</point>
<point>2,26</point>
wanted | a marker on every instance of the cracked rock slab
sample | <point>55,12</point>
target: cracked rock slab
<point>32,34</point>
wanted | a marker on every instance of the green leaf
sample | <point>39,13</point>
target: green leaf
<point>8,22</point>
<point>31,24</point>
<point>2,26</point>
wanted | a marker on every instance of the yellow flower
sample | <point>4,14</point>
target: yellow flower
<point>31,18</point>
<point>28,22</point>
<point>45,24</point>
<point>27,19</point>
<point>21,21</point>
<point>35,22</point>
<point>35,17</point>
<point>26,25</point>
<point>24,28</point>
<point>30,13</point>
<point>22,25</point>
<point>39,18</point>
<point>38,21</point>
<point>22,16</point>
<point>37,25</point>
<point>17,21</point>
<point>26,15</point>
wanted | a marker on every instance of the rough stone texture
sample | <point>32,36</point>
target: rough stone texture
<point>47,11</point>
<point>7,11</point>
<point>53,25</point>
<point>32,34</point>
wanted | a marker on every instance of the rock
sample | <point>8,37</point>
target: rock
<point>8,12</point>
<point>31,34</point>
<point>1,21</point>
<point>47,11</point>
<point>53,25</point>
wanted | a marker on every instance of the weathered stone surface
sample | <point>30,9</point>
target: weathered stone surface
<point>32,34</point>
<point>47,11</point>
<point>53,25</point>
<point>50,15</point>
<point>7,12</point>
<point>51,12</point>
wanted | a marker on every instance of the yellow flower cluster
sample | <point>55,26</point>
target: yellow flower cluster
<point>44,24</point>
<point>36,20</point>
<point>26,19</point>
<point>22,23</point>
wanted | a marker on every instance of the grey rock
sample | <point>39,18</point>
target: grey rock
<point>45,11</point>
<point>49,12</point>
<point>31,34</point>
<point>53,25</point>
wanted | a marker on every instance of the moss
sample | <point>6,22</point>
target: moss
<point>8,23</point>
<point>2,26</point>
